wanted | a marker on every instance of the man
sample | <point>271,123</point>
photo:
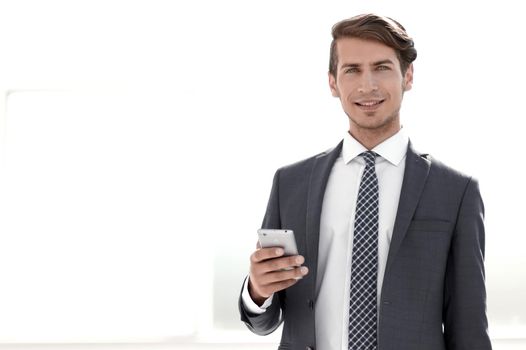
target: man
<point>391,241</point>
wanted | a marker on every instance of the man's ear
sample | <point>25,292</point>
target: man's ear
<point>408,78</point>
<point>332,85</point>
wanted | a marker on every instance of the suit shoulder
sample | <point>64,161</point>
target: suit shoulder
<point>445,170</point>
<point>306,163</point>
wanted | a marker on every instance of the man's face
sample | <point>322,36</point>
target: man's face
<point>370,85</point>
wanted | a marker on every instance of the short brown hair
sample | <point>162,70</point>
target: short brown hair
<point>378,28</point>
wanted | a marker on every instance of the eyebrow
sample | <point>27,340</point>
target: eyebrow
<point>382,62</point>
<point>374,64</point>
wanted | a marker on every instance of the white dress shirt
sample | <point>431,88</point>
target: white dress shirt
<point>337,229</point>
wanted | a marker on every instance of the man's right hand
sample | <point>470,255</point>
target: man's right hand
<point>267,274</point>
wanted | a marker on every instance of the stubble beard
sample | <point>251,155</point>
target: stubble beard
<point>377,127</point>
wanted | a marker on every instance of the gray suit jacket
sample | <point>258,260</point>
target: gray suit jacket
<point>433,295</point>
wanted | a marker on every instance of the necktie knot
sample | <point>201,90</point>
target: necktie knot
<point>369,157</point>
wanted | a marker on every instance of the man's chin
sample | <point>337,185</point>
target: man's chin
<point>370,124</point>
<point>375,125</point>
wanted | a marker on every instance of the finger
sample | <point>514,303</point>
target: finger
<point>266,253</point>
<point>280,263</point>
<point>280,276</point>
<point>277,286</point>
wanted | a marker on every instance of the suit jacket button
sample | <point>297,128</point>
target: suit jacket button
<point>310,302</point>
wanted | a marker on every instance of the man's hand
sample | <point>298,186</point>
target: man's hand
<point>267,274</point>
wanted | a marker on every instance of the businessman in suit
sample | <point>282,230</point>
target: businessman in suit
<point>391,241</point>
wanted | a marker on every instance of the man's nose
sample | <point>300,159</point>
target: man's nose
<point>368,83</point>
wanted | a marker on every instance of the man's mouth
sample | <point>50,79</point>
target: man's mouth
<point>369,103</point>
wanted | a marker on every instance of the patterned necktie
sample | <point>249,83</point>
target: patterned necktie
<point>362,308</point>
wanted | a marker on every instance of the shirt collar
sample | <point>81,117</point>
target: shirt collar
<point>393,149</point>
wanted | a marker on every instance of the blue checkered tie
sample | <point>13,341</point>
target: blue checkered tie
<point>362,309</point>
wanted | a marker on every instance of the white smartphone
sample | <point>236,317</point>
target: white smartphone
<point>278,238</point>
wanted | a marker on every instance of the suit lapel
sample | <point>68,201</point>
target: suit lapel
<point>415,175</point>
<point>319,176</point>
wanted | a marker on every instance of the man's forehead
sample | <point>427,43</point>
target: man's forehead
<point>360,51</point>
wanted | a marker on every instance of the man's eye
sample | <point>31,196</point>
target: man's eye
<point>383,68</point>
<point>351,70</point>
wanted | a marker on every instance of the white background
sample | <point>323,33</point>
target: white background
<point>139,140</point>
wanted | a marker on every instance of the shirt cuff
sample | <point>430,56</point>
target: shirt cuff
<point>250,305</point>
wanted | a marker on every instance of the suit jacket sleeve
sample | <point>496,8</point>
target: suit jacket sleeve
<point>270,320</point>
<point>464,314</point>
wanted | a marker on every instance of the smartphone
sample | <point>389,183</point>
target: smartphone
<point>278,238</point>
